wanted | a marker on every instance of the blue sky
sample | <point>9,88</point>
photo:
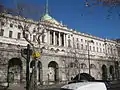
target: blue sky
<point>73,13</point>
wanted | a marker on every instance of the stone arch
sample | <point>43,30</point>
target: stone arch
<point>93,70</point>
<point>32,63</point>
<point>40,72</point>
<point>73,69</point>
<point>104,72</point>
<point>116,69</point>
<point>14,70</point>
<point>111,71</point>
<point>53,75</point>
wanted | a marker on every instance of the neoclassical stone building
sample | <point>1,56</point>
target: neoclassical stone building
<point>65,52</point>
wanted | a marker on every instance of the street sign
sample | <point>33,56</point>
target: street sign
<point>36,55</point>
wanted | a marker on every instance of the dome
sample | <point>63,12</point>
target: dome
<point>48,18</point>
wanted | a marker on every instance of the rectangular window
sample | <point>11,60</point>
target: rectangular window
<point>34,36</point>
<point>103,50</point>
<point>19,26</point>
<point>100,50</point>
<point>69,43</point>
<point>90,48</point>
<point>43,38</point>
<point>96,43</point>
<point>81,40</point>
<point>10,34</point>
<point>97,49</point>
<point>26,35</point>
<point>77,45</point>
<point>77,39</point>
<point>86,47</point>
<point>11,25</point>
<point>2,32</point>
<point>93,48</point>
<point>19,35</point>
<point>81,46</point>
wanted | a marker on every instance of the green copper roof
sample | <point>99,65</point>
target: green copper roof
<point>46,17</point>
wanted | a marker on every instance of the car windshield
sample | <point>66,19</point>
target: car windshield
<point>83,76</point>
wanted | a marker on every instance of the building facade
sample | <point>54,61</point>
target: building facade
<point>65,52</point>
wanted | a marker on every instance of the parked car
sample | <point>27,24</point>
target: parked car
<point>86,77</point>
<point>84,86</point>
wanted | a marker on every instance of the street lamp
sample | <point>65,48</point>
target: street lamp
<point>88,42</point>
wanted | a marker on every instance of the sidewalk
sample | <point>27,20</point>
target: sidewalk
<point>44,87</point>
<point>16,87</point>
<point>22,87</point>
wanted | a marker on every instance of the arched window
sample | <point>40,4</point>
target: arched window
<point>52,49</point>
<point>83,65</point>
<point>63,50</point>
<point>92,66</point>
<point>57,50</point>
<point>72,65</point>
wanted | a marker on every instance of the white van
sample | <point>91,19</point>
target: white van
<point>84,86</point>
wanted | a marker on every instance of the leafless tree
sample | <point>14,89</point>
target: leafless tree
<point>110,4</point>
<point>28,28</point>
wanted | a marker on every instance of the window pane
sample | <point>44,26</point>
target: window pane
<point>34,38</point>
<point>10,34</point>
<point>1,32</point>
<point>19,34</point>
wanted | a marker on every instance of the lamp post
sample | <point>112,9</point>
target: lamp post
<point>88,42</point>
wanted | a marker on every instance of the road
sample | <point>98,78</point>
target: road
<point>59,89</point>
<point>115,86</point>
<point>50,89</point>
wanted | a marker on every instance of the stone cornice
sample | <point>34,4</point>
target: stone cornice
<point>18,18</point>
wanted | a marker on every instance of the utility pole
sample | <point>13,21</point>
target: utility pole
<point>89,59</point>
<point>27,67</point>
<point>27,52</point>
<point>88,42</point>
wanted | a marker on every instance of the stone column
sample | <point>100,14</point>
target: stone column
<point>54,43</point>
<point>64,40</point>
<point>45,37</point>
<point>59,39</point>
<point>48,37</point>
